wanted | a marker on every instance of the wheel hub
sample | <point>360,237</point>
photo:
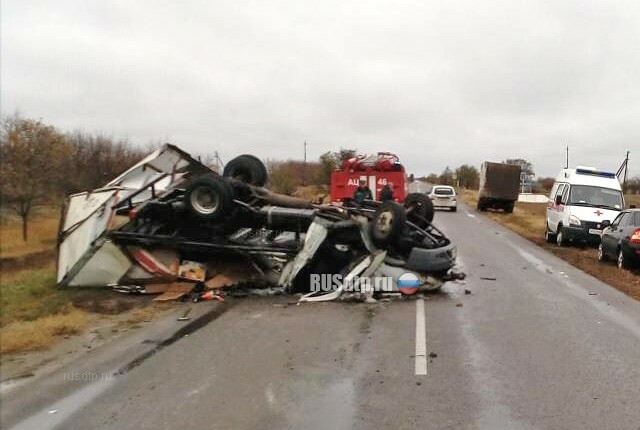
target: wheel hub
<point>385,221</point>
<point>204,201</point>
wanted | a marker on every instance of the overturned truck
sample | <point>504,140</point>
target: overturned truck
<point>170,208</point>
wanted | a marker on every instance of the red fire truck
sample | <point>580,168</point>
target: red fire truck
<point>377,170</point>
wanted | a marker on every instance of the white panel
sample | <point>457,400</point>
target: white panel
<point>104,268</point>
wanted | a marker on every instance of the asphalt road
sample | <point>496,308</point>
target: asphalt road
<point>536,345</point>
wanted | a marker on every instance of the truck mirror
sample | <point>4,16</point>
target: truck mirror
<point>606,223</point>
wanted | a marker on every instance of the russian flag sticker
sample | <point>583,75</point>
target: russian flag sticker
<point>408,283</point>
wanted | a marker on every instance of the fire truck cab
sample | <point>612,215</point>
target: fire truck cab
<point>377,170</point>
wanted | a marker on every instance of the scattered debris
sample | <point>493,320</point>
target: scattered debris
<point>488,278</point>
<point>175,291</point>
<point>432,355</point>
<point>467,291</point>
<point>459,305</point>
<point>184,316</point>
<point>207,295</point>
<point>192,270</point>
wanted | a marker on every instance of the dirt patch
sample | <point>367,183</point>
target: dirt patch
<point>33,260</point>
<point>109,302</point>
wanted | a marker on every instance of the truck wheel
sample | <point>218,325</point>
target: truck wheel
<point>419,208</point>
<point>209,197</point>
<point>247,168</point>
<point>387,223</point>
<point>481,206</point>
<point>508,208</point>
<point>560,237</point>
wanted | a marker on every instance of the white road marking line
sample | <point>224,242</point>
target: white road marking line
<point>471,215</point>
<point>421,339</point>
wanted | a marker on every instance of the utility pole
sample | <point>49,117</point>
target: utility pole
<point>305,152</point>
<point>304,168</point>
<point>567,163</point>
<point>217,162</point>
<point>626,170</point>
<point>624,167</point>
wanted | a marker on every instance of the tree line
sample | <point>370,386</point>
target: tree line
<point>40,165</point>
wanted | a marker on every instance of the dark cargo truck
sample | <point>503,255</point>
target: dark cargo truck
<point>499,186</point>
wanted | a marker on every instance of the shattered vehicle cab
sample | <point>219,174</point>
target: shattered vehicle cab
<point>170,208</point>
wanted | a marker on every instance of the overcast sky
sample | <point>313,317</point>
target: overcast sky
<point>438,82</point>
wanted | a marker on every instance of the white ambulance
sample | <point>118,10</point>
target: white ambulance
<point>580,200</point>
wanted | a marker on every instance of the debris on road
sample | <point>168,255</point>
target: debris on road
<point>467,291</point>
<point>175,291</point>
<point>171,226</point>
<point>488,278</point>
<point>184,316</point>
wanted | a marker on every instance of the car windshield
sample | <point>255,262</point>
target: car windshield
<point>595,196</point>
<point>443,191</point>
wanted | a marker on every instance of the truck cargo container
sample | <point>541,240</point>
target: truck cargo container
<point>499,186</point>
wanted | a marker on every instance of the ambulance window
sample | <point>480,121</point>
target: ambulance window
<point>565,195</point>
<point>559,192</point>
<point>553,190</point>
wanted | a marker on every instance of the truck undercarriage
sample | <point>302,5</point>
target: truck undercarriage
<point>169,202</point>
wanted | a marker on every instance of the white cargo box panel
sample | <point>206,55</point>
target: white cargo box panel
<point>87,217</point>
<point>105,267</point>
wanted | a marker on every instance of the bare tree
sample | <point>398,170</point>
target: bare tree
<point>32,155</point>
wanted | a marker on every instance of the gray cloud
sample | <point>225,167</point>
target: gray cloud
<point>440,83</point>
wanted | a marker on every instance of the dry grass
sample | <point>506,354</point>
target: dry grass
<point>528,220</point>
<point>35,313</point>
<point>313,193</point>
<point>632,199</point>
<point>41,333</point>
<point>42,231</point>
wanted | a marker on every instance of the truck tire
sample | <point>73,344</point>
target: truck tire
<point>388,223</point>
<point>209,197</point>
<point>508,207</point>
<point>419,208</point>
<point>481,206</point>
<point>246,168</point>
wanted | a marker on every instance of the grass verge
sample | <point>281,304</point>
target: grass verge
<point>35,314</point>
<point>528,220</point>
